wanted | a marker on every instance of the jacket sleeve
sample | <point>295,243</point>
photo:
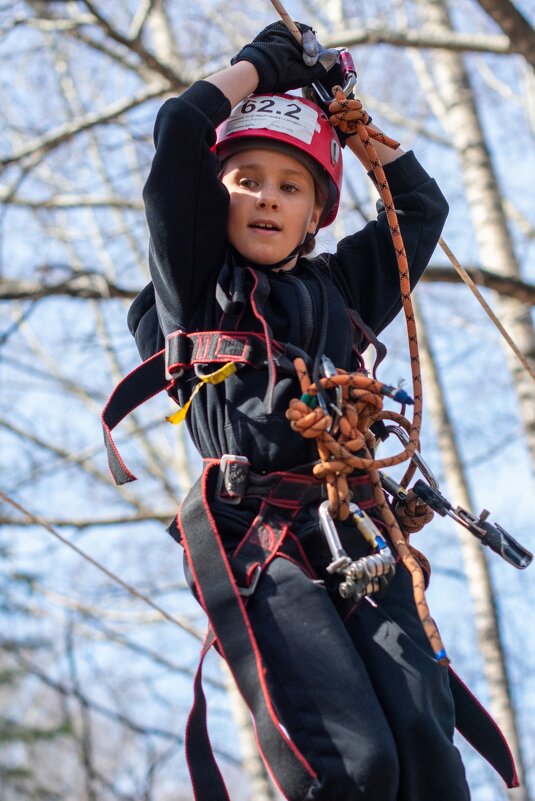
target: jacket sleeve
<point>365,263</point>
<point>186,204</point>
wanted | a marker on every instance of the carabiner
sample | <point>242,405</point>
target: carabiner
<point>350,78</point>
<point>416,457</point>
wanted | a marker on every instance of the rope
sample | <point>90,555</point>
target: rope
<point>360,405</point>
<point>471,285</point>
<point>181,623</point>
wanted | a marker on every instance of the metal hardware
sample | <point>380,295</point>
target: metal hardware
<point>171,376</point>
<point>364,576</point>
<point>329,371</point>
<point>422,466</point>
<point>232,478</point>
<point>349,74</point>
<point>340,558</point>
<point>393,488</point>
<point>490,534</point>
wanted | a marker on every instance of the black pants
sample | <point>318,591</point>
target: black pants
<point>363,699</point>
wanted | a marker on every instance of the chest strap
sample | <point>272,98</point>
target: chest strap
<point>182,352</point>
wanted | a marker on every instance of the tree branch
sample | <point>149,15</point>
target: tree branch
<point>503,285</point>
<point>137,47</point>
<point>514,25</point>
<point>43,144</point>
<point>376,33</point>
<point>162,517</point>
<point>96,286</point>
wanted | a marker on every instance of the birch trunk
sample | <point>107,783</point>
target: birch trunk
<point>475,564</point>
<point>460,118</point>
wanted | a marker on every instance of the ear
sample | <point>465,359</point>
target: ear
<point>314,220</point>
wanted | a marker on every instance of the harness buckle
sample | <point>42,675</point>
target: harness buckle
<point>233,477</point>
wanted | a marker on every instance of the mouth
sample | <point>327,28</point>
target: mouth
<point>265,226</point>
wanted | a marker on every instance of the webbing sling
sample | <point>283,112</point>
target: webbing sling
<point>477,727</point>
<point>220,597</point>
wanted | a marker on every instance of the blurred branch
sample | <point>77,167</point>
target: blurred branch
<point>41,145</point>
<point>96,286</point>
<point>77,202</point>
<point>135,44</point>
<point>162,517</point>
<point>503,285</point>
<point>514,25</point>
<point>375,33</point>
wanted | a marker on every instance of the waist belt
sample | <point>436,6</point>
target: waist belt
<point>289,490</point>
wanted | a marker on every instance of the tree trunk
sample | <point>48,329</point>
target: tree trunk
<point>260,786</point>
<point>461,120</point>
<point>475,563</point>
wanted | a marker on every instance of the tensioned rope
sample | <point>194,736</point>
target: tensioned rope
<point>350,445</point>
<point>181,623</point>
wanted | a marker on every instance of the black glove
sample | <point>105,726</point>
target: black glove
<point>278,59</point>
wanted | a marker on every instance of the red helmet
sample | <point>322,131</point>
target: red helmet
<point>292,121</point>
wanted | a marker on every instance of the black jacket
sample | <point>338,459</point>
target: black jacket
<point>309,307</point>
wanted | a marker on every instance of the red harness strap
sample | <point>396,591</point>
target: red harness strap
<point>220,596</point>
<point>223,584</point>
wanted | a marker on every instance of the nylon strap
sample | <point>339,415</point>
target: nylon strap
<point>183,351</point>
<point>219,596</point>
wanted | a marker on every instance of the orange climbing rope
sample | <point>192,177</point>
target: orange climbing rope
<point>342,430</point>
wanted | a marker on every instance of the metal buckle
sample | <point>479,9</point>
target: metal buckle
<point>232,478</point>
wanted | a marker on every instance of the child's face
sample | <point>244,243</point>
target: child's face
<point>272,204</point>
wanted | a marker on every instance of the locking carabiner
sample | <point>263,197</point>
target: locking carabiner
<point>320,95</point>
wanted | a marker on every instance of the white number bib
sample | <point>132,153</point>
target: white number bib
<point>276,114</point>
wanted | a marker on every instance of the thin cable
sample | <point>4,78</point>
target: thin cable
<point>471,285</point>
<point>183,624</point>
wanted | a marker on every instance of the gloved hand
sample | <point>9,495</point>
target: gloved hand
<point>282,63</point>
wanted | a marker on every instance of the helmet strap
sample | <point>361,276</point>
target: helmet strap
<point>243,262</point>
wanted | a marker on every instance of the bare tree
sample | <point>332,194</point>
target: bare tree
<point>80,87</point>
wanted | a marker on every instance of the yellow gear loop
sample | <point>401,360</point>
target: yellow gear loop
<point>212,378</point>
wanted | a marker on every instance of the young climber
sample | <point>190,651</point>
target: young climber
<point>349,701</point>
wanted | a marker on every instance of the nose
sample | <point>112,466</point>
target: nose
<point>267,198</point>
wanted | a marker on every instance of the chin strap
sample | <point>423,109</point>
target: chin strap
<point>242,262</point>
